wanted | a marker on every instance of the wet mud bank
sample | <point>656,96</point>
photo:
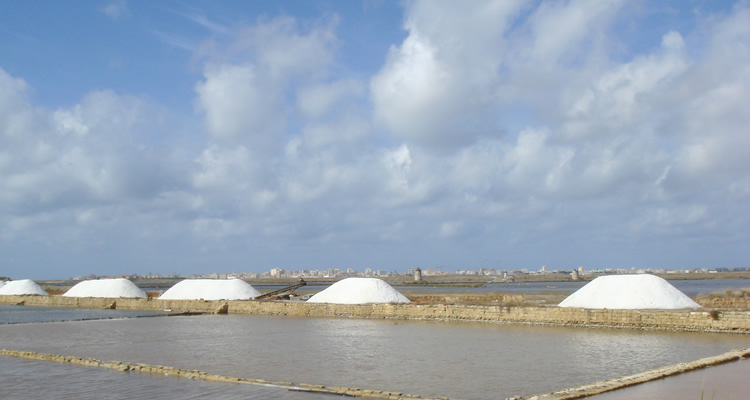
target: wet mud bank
<point>706,320</point>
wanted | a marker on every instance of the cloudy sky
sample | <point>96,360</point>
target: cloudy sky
<point>202,136</point>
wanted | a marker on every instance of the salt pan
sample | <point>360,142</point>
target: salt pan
<point>22,287</point>
<point>110,288</point>
<point>210,289</point>
<point>359,291</point>
<point>629,292</point>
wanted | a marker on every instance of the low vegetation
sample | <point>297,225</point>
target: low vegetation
<point>731,294</point>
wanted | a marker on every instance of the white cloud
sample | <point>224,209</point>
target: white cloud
<point>556,31</point>
<point>410,93</point>
<point>70,121</point>
<point>512,126</point>
<point>437,87</point>
<point>240,104</point>
<point>223,168</point>
<point>116,9</point>
<point>17,116</point>
<point>66,164</point>
<point>285,50</point>
<point>318,100</point>
<point>344,131</point>
<point>398,163</point>
<point>622,98</point>
<point>246,82</point>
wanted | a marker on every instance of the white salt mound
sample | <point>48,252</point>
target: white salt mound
<point>111,288</point>
<point>22,287</point>
<point>359,291</point>
<point>629,292</point>
<point>210,289</point>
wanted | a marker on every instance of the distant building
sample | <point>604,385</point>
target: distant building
<point>574,275</point>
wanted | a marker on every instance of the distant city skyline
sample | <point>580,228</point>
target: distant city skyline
<point>199,136</point>
<point>279,273</point>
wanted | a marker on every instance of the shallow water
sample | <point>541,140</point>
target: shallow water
<point>723,382</point>
<point>462,360</point>
<point>10,314</point>
<point>31,379</point>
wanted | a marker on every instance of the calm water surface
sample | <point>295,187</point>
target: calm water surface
<point>462,360</point>
<point>723,382</point>
<point>30,380</point>
<point>19,314</point>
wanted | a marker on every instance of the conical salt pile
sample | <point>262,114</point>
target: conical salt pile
<point>110,288</point>
<point>359,291</point>
<point>22,287</point>
<point>210,289</point>
<point>629,292</point>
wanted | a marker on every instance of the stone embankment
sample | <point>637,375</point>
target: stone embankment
<point>725,320</point>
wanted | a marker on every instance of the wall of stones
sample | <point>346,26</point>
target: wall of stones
<point>708,320</point>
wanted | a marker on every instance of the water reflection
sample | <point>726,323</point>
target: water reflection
<point>11,314</point>
<point>727,381</point>
<point>29,379</point>
<point>462,360</point>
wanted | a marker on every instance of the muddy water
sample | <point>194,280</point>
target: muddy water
<point>10,314</point>
<point>724,382</point>
<point>30,380</point>
<point>462,360</point>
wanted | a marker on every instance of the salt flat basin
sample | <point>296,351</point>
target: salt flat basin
<point>461,360</point>
<point>48,380</point>
<point>726,381</point>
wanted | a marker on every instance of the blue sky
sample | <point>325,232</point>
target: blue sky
<point>208,136</point>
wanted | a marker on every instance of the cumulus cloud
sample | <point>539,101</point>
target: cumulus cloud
<point>435,89</point>
<point>247,80</point>
<point>505,127</point>
<point>320,99</point>
<point>619,133</point>
<point>561,33</point>
<point>73,160</point>
<point>619,99</point>
<point>240,104</point>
